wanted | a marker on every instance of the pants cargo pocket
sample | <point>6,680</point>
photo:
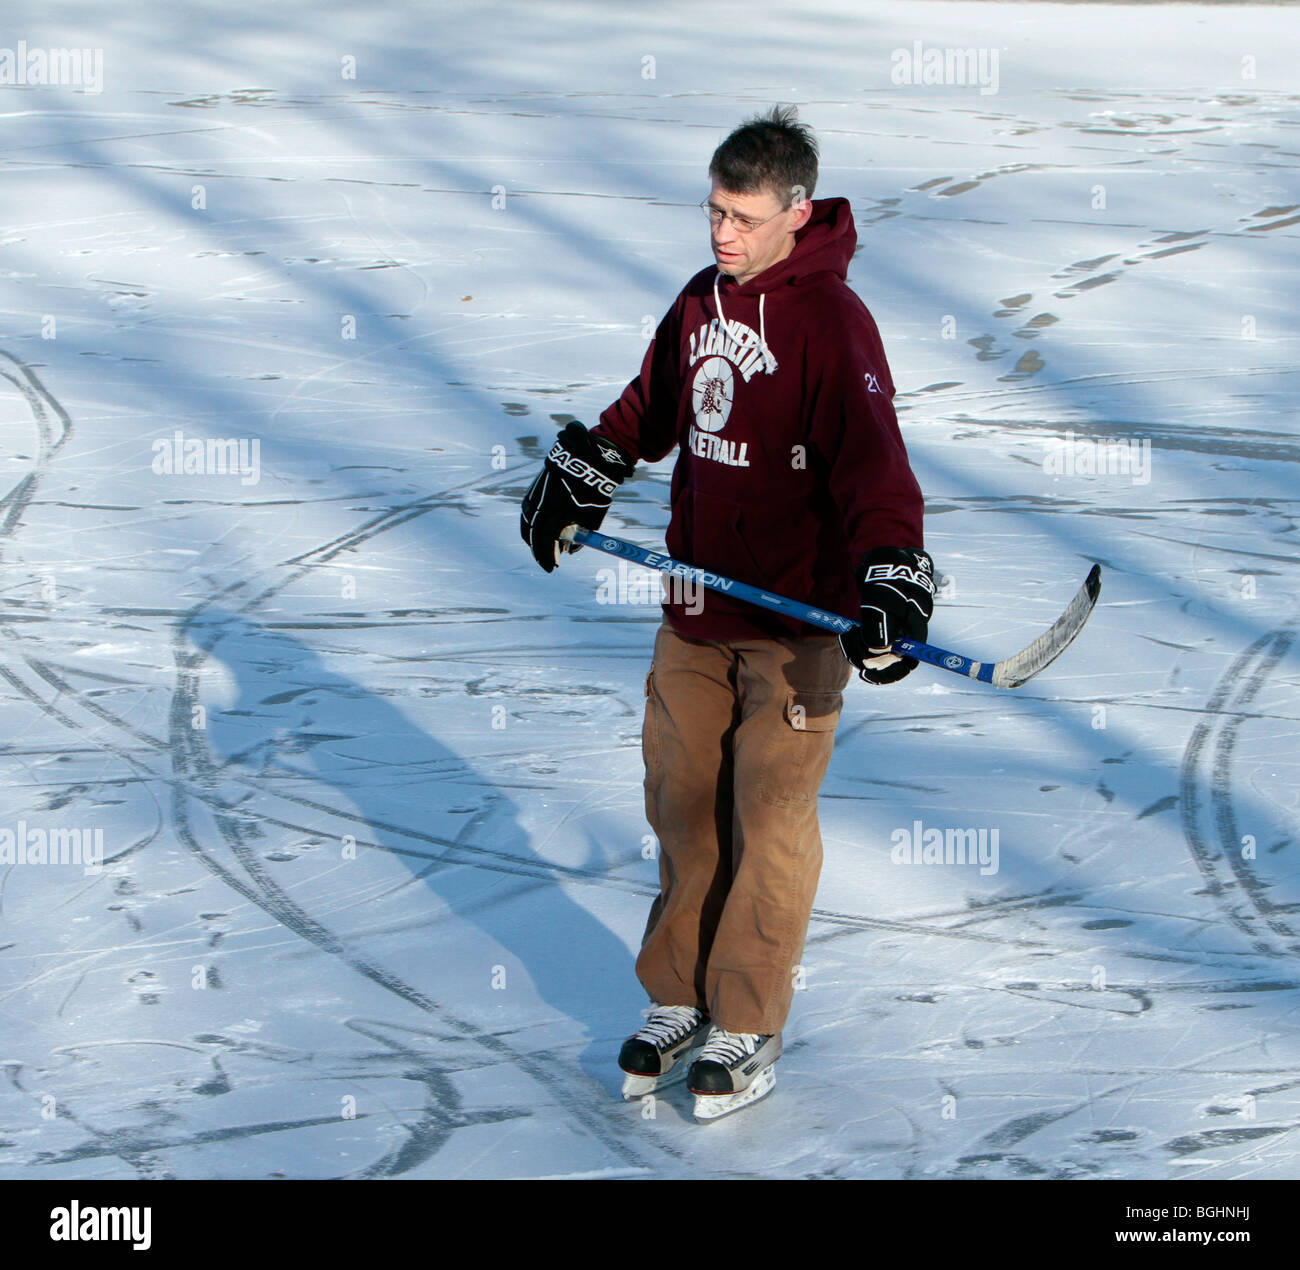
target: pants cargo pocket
<point>799,748</point>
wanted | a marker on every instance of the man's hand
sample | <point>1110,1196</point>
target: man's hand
<point>574,488</point>
<point>897,589</point>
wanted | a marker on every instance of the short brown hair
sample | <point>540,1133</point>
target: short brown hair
<point>768,152</point>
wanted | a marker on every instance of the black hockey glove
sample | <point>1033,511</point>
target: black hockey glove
<point>574,488</point>
<point>897,587</point>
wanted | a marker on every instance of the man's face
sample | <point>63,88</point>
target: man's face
<point>745,255</point>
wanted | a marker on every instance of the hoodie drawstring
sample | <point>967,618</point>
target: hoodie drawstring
<point>769,358</point>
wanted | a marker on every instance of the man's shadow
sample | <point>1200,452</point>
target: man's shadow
<point>298,724</point>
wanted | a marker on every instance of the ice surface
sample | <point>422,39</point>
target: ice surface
<point>368,782</point>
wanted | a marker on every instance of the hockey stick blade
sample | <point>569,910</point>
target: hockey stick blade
<point>1021,668</point>
<point>1010,673</point>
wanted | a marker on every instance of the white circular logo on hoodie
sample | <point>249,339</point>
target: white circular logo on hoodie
<point>711,393</point>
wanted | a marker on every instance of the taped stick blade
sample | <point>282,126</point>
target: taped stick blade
<point>1022,667</point>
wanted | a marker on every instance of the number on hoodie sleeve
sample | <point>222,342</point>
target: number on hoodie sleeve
<point>854,428</point>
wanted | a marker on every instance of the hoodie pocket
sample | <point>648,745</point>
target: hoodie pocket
<point>710,537</point>
<point>778,545</point>
<point>759,541</point>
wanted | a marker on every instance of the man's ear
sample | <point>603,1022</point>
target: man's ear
<point>803,208</point>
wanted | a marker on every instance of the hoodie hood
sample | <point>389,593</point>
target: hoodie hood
<point>824,245</point>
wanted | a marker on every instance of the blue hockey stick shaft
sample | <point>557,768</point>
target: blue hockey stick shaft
<point>941,657</point>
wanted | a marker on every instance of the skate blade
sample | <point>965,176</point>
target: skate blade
<point>713,1106</point>
<point>639,1086</point>
<point>635,1086</point>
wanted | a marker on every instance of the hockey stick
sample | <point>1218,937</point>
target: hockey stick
<point>1009,673</point>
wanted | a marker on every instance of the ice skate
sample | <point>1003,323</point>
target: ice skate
<point>731,1071</point>
<point>653,1056</point>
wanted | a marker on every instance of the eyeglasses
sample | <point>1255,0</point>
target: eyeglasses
<point>743,224</point>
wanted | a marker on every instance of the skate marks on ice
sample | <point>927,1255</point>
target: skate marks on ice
<point>245,648</point>
<point>1048,1094</point>
<point>453,1048</point>
<point>405,1075</point>
<point>211,810</point>
<point>1225,854</point>
<point>1136,1080</point>
<point>52,427</point>
<point>208,629</point>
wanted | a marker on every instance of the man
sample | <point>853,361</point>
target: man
<point>768,373</point>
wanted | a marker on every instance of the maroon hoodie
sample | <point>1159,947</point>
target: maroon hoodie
<point>791,465</point>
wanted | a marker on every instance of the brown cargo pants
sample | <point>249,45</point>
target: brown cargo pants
<point>736,740</point>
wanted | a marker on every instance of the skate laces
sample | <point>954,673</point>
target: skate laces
<point>668,1023</point>
<point>728,1047</point>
